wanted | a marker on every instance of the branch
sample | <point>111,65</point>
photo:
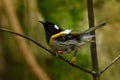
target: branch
<point>93,45</point>
<point>109,65</point>
<point>60,57</point>
<point>94,58</point>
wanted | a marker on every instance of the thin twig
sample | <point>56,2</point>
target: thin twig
<point>94,58</point>
<point>62,58</point>
<point>109,65</point>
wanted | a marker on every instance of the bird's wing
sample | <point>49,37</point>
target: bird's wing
<point>73,35</point>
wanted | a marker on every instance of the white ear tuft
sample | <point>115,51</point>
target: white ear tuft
<point>56,27</point>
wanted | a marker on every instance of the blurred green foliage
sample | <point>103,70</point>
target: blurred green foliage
<point>63,12</point>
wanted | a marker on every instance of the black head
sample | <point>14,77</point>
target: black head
<point>50,29</point>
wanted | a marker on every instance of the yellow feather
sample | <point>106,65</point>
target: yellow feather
<point>55,36</point>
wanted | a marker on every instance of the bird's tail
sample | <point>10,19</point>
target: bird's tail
<point>94,28</point>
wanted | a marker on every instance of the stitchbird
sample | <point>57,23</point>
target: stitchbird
<point>66,41</point>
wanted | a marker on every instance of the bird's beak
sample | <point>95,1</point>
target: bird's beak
<point>41,22</point>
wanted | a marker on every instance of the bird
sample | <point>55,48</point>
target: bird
<point>68,40</point>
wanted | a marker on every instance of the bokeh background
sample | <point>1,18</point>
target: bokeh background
<point>67,14</point>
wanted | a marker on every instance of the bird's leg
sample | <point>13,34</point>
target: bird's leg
<point>74,56</point>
